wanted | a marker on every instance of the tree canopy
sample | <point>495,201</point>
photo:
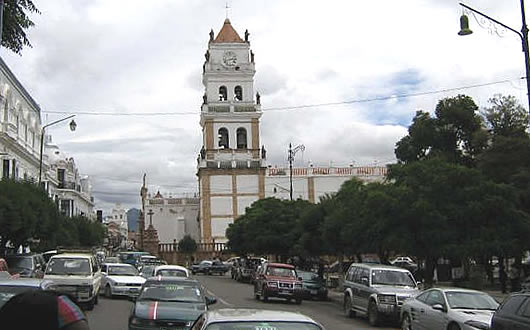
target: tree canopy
<point>15,23</point>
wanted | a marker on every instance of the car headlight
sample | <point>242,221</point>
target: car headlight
<point>138,321</point>
<point>477,324</point>
<point>272,284</point>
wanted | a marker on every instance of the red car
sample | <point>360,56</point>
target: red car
<point>279,281</point>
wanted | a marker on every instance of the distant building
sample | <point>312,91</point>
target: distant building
<point>132,219</point>
<point>173,217</point>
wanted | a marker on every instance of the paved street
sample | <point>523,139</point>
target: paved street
<point>113,314</point>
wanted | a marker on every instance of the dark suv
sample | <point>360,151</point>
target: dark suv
<point>26,265</point>
<point>278,280</point>
<point>513,313</point>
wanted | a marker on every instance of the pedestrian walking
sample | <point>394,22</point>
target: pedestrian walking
<point>502,278</point>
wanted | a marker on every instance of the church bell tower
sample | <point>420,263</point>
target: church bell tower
<point>231,163</point>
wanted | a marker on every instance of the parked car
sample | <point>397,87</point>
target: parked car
<point>171,270</point>
<point>77,274</point>
<point>120,279</point>
<point>513,313</point>
<point>10,287</point>
<point>448,308</point>
<point>26,265</point>
<point>377,291</point>
<point>169,303</point>
<point>410,266</point>
<point>112,260</point>
<point>242,318</point>
<point>246,269</point>
<point>279,281</point>
<point>402,259</point>
<point>210,267</point>
<point>148,271</point>
<point>313,285</point>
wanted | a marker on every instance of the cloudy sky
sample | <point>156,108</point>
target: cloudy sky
<point>130,57</point>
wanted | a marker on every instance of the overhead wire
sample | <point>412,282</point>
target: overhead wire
<point>295,107</point>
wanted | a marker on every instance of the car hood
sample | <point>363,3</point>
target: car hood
<point>400,291</point>
<point>168,310</point>
<point>464,315</point>
<point>70,279</point>
<point>280,278</point>
<point>127,279</point>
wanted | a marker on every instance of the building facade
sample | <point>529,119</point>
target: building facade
<point>173,217</point>
<point>20,128</point>
<point>71,191</point>
<point>231,165</point>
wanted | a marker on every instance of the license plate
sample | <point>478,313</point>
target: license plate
<point>313,291</point>
<point>134,290</point>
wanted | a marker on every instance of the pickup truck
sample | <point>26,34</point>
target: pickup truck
<point>210,267</point>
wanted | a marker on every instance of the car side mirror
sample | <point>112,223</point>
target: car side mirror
<point>300,279</point>
<point>210,300</point>
<point>438,307</point>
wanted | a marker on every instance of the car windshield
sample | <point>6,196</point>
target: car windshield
<point>390,277</point>
<point>279,271</point>
<point>307,276</point>
<point>171,272</point>
<point>262,325</point>
<point>171,292</point>
<point>68,266</point>
<point>470,300</point>
<point>8,291</point>
<point>205,263</point>
<point>19,262</point>
<point>123,270</point>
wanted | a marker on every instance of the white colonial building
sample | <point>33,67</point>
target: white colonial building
<point>173,217</point>
<point>71,191</point>
<point>20,127</point>
<point>231,166</point>
<point>119,222</point>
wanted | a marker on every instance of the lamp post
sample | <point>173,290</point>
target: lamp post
<point>290,158</point>
<point>464,30</point>
<point>72,125</point>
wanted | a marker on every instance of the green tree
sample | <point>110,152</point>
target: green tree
<point>187,245</point>
<point>26,212</point>
<point>15,24</point>
<point>267,227</point>
<point>506,117</point>
<point>454,134</point>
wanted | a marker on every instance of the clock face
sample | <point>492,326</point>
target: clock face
<point>229,58</point>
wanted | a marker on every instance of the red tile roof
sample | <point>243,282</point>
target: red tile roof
<point>228,34</point>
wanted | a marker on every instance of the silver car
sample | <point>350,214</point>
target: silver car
<point>448,308</point>
<point>243,318</point>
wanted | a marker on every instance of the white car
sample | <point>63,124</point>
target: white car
<point>171,270</point>
<point>403,259</point>
<point>448,308</point>
<point>120,279</point>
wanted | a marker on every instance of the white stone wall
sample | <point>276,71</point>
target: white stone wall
<point>174,220</point>
<point>247,184</point>
<point>219,226</point>
<point>232,133</point>
<point>279,186</point>
<point>244,202</point>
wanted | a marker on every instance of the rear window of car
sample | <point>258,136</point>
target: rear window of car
<point>171,272</point>
<point>19,262</point>
<point>262,325</point>
<point>68,266</point>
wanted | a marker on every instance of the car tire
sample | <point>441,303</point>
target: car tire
<point>406,323</point>
<point>90,304</point>
<point>108,292</point>
<point>347,307</point>
<point>264,295</point>
<point>453,326</point>
<point>373,314</point>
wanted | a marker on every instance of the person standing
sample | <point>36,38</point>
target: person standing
<point>515,278</point>
<point>502,278</point>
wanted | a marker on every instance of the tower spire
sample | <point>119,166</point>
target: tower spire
<point>227,7</point>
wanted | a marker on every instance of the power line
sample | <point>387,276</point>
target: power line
<point>367,100</point>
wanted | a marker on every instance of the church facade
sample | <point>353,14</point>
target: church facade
<point>231,166</point>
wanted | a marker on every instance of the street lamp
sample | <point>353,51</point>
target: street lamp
<point>72,125</point>
<point>464,30</point>
<point>290,158</point>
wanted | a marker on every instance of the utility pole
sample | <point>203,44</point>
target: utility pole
<point>290,158</point>
<point>1,18</point>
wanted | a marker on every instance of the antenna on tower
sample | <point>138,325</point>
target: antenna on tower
<point>226,8</point>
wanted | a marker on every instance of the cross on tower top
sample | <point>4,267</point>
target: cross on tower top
<point>227,7</point>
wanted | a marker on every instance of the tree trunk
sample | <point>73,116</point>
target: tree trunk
<point>430,264</point>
